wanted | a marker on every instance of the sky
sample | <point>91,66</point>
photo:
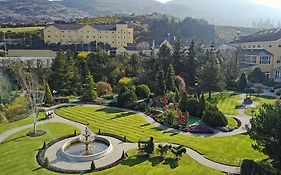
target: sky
<point>271,3</point>
<point>163,1</point>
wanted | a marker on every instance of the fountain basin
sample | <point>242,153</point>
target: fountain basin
<point>73,150</point>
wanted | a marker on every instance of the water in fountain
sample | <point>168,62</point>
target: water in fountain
<point>86,145</point>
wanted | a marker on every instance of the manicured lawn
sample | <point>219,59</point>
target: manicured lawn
<point>138,165</point>
<point>20,29</point>
<point>18,157</point>
<point>26,121</point>
<point>18,151</point>
<point>228,150</point>
<point>226,102</point>
<point>261,100</point>
<point>231,122</point>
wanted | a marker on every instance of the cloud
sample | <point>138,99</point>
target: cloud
<point>270,3</point>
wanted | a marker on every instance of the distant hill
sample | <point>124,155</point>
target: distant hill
<point>220,12</point>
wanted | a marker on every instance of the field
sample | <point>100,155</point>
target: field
<point>227,150</point>
<point>21,29</point>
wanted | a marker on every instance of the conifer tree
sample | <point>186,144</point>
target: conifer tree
<point>48,99</point>
<point>90,90</point>
<point>170,79</point>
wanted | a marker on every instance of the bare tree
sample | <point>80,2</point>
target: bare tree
<point>31,84</point>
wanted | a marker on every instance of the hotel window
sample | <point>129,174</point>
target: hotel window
<point>254,46</point>
<point>277,74</point>
<point>270,45</point>
<point>267,74</point>
<point>279,60</point>
<point>265,59</point>
<point>49,36</point>
<point>279,45</point>
<point>62,31</point>
<point>259,46</point>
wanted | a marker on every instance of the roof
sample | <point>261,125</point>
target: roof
<point>69,26</point>
<point>78,26</point>
<point>267,35</point>
<point>104,27</point>
<point>132,47</point>
<point>257,52</point>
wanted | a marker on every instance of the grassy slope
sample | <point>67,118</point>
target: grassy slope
<point>228,150</point>
<point>6,126</point>
<point>18,151</point>
<point>20,29</point>
<point>226,102</point>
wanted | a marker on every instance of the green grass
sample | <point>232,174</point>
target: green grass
<point>231,122</point>
<point>227,150</point>
<point>137,165</point>
<point>226,102</point>
<point>18,151</point>
<point>261,100</point>
<point>6,126</point>
<point>21,29</point>
<point>18,157</point>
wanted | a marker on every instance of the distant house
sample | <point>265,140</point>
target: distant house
<point>118,35</point>
<point>263,50</point>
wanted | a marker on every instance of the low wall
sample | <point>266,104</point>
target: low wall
<point>31,53</point>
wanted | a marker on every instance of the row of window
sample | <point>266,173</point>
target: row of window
<point>113,37</point>
<point>113,32</point>
<point>258,46</point>
<point>265,60</point>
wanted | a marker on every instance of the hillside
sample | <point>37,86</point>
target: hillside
<point>219,12</point>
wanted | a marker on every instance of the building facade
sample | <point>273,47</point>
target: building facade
<point>263,50</point>
<point>118,35</point>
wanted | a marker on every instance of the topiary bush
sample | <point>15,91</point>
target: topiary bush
<point>213,117</point>
<point>126,98</point>
<point>143,91</point>
<point>170,117</point>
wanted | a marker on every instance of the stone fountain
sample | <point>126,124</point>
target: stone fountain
<point>86,147</point>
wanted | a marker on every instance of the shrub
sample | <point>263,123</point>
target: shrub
<point>143,91</point>
<point>257,76</point>
<point>183,102</point>
<point>192,106</point>
<point>201,106</point>
<point>104,88</point>
<point>126,98</point>
<point>213,117</point>
<point>48,98</point>
<point>171,118</point>
<point>46,163</point>
<point>93,166</point>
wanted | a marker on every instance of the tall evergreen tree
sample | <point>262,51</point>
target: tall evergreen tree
<point>211,76</point>
<point>180,59</point>
<point>90,90</point>
<point>48,98</point>
<point>64,76</point>
<point>164,57</point>
<point>242,83</point>
<point>161,81</point>
<point>170,79</point>
<point>191,65</point>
